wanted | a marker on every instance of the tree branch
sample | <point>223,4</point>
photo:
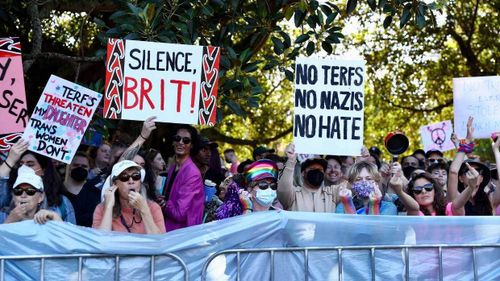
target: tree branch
<point>36,26</point>
<point>413,109</point>
<point>473,23</point>
<point>215,135</point>
<point>51,55</point>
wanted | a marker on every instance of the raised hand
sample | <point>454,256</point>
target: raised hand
<point>16,151</point>
<point>246,200</point>
<point>147,127</point>
<point>137,201</point>
<point>472,177</point>
<point>344,192</point>
<point>109,196</point>
<point>470,129</point>
<point>290,152</point>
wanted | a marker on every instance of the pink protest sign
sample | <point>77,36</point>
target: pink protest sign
<point>437,136</point>
<point>12,94</point>
<point>60,119</point>
<point>176,83</point>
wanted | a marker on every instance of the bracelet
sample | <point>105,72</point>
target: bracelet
<point>142,136</point>
<point>8,165</point>
<point>466,147</point>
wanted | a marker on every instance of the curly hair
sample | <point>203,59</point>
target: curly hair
<point>439,203</point>
<point>356,168</point>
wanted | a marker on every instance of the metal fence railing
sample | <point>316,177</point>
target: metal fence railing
<point>80,258</point>
<point>371,251</point>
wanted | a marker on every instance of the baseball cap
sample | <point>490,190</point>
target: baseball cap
<point>430,152</point>
<point>27,175</point>
<point>312,161</point>
<point>262,149</point>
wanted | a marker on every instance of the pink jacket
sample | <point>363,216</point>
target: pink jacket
<point>186,203</point>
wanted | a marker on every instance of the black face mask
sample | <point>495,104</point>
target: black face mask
<point>421,164</point>
<point>407,171</point>
<point>315,177</point>
<point>79,174</point>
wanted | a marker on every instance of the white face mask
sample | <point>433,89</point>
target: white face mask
<point>265,197</point>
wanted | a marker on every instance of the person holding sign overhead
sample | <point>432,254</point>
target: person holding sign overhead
<point>184,193</point>
<point>313,196</point>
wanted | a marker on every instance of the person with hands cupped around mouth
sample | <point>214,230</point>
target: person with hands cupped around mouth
<point>27,201</point>
<point>124,208</point>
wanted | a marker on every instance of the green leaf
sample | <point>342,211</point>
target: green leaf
<point>118,14</point>
<point>326,10</point>
<point>387,21</point>
<point>287,42</point>
<point>351,6</point>
<point>289,75</point>
<point>313,4</point>
<point>372,4</point>
<point>231,53</point>
<point>381,3</point>
<point>289,12</point>
<point>405,16</point>
<point>236,108</point>
<point>278,45</point>
<point>100,23</point>
<point>327,47</point>
<point>420,21</point>
<point>136,11</point>
<point>245,55</point>
<point>310,48</point>
<point>302,38</point>
<point>331,18</point>
<point>251,67</point>
<point>150,11</point>
<point>298,17</point>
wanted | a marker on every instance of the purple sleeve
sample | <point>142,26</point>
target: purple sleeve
<point>178,210</point>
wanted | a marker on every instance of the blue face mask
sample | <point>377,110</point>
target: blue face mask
<point>265,197</point>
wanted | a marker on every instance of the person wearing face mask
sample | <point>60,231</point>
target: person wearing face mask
<point>363,195</point>
<point>83,195</point>
<point>312,196</point>
<point>260,194</point>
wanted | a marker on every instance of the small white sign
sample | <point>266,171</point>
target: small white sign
<point>437,136</point>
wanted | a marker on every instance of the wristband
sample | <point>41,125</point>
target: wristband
<point>373,207</point>
<point>142,136</point>
<point>466,147</point>
<point>8,165</point>
<point>348,205</point>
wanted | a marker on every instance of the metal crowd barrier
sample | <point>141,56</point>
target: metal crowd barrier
<point>341,249</point>
<point>81,257</point>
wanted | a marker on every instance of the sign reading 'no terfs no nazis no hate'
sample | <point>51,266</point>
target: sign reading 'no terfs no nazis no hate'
<point>176,83</point>
<point>329,106</point>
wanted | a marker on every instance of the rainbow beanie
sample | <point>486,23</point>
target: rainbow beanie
<point>261,169</point>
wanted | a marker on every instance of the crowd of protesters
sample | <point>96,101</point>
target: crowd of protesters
<point>130,188</point>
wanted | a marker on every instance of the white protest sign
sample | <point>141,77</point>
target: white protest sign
<point>437,136</point>
<point>329,106</point>
<point>60,119</point>
<point>478,97</point>
<point>176,83</point>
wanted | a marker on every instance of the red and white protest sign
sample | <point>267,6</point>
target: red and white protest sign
<point>176,83</point>
<point>60,118</point>
<point>13,111</point>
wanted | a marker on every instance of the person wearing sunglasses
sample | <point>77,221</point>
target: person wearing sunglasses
<point>44,167</point>
<point>27,200</point>
<point>426,196</point>
<point>184,192</point>
<point>260,194</point>
<point>124,208</point>
<point>439,171</point>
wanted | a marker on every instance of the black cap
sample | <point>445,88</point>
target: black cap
<point>430,152</point>
<point>312,161</point>
<point>375,150</point>
<point>481,168</point>
<point>419,151</point>
<point>204,142</point>
<point>261,150</point>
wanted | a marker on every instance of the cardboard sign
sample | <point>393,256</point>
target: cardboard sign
<point>7,141</point>
<point>13,111</point>
<point>176,83</point>
<point>478,97</point>
<point>437,136</point>
<point>60,119</point>
<point>329,106</point>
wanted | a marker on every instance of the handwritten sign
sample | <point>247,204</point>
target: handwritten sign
<point>13,111</point>
<point>478,97</point>
<point>177,83</point>
<point>329,106</point>
<point>437,136</point>
<point>60,119</point>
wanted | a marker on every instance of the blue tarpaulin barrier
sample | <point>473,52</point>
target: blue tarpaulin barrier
<point>194,245</point>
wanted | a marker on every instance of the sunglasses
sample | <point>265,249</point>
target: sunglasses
<point>185,140</point>
<point>266,185</point>
<point>126,177</point>
<point>418,189</point>
<point>29,191</point>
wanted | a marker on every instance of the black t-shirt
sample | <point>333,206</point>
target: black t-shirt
<point>84,203</point>
<point>170,182</point>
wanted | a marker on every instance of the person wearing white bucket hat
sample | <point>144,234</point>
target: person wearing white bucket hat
<point>27,200</point>
<point>124,208</point>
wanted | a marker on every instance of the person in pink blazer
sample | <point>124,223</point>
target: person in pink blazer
<point>184,193</point>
